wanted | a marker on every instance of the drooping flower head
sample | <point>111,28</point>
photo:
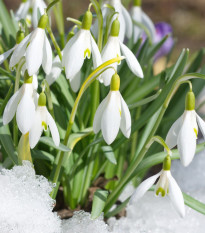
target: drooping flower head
<point>139,16</point>
<point>113,49</point>
<point>23,104</point>
<point>19,37</point>
<point>80,46</point>
<point>29,10</point>
<point>42,121</point>
<point>166,185</point>
<point>113,114</point>
<point>36,49</point>
<point>184,131</point>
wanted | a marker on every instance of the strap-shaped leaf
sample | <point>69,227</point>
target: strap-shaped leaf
<point>108,152</point>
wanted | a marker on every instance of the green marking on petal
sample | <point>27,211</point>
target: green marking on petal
<point>45,126</point>
<point>87,53</point>
<point>162,191</point>
<point>196,132</point>
<point>117,57</point>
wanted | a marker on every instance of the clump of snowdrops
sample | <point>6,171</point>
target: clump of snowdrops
<point>86,105</point>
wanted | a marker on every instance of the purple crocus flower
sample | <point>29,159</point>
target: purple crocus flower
<point>163,29</point>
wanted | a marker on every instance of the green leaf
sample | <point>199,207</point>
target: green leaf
<point>42,155</point>
<point>6,99</point>
<point>99,200</point>
<point>194,204</point>
<point>107,150</point>
<point>49,142</point>
<point>7,143</point>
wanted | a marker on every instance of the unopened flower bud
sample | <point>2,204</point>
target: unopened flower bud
<point>115,82</point>
<point>190,101</point>
<point>87,20</point>
<point>19,36</point>
<point>42,99</point>
<point>27,78</point>
<point>43,21</point>
<point>115,28</point>
<point>167,163</point>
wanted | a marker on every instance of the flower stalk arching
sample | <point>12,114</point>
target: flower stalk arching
<point>51,5</point>
<point>91,78</point>
<point>114,195</point>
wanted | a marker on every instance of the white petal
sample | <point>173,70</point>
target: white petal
<point>36,129</point>
<point>4,56</point>
<point>97,60</point>
<point>75,82</point>
<point>176,196</point>
<point>125,124</point>
<point>53,129</point>
<point>173,133</point>
<point>22,11</point>
<point>35,81</point>
<point>128,22</point>
<point>110,123</point>
<point>55,71</point>
<point>186,141</point>
<point>19,52</point>
<point>38,6</point>
<point>111,50</point>
<point>98,115</point>
<point>47,56</point>
<point>149,24</point>
<point>73,57</point>
<point>25,111</point>
<point>11,107</point>
<point>143,188</point>
<point>201,124</point>
<point>34,52</point>
<point>132,61</point>
<point>136,13</point>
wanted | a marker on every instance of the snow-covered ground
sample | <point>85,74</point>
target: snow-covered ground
<point>26,206</point>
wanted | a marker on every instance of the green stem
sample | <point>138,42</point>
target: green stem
<point>58,50</point>
<point>51,5</point>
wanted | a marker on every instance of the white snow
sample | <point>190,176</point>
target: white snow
<point>26,206</point>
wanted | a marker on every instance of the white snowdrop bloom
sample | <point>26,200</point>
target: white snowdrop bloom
<point>113,49</point>
<point>166,185</point>
<point>112,114</point>
<point>139,16</point>
<point>23,104</point>
<point>30,9</point>
<point>79,47</point>
<point>19,38</point>
<point>42,121</point>
<point>36,49</point>
<point>184,131</point>
<point>126,25</point>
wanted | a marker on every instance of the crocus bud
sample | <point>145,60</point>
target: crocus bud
<point>87,20</point>
<point>27,78</point>
<point>190,101</point>
<point>19,36</point>
<point>167,163</point>
<point>42,99</point>
<point>115,82</point>
<point>115,28</point>
<point>43,21</point>
<point>137,3</point>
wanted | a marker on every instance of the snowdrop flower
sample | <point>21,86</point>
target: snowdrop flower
<point>112,114</point>
<point>19,38</point>
<point>30,9</point>
<point>79,47</point>
<point>166,185</point>
<point>23,104</point>
<point>126,26</point>
<point>36,49</point>
<point>42,121</point>
<point>184,131</point>
<point>139,16</point>
<point>113,49</point>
